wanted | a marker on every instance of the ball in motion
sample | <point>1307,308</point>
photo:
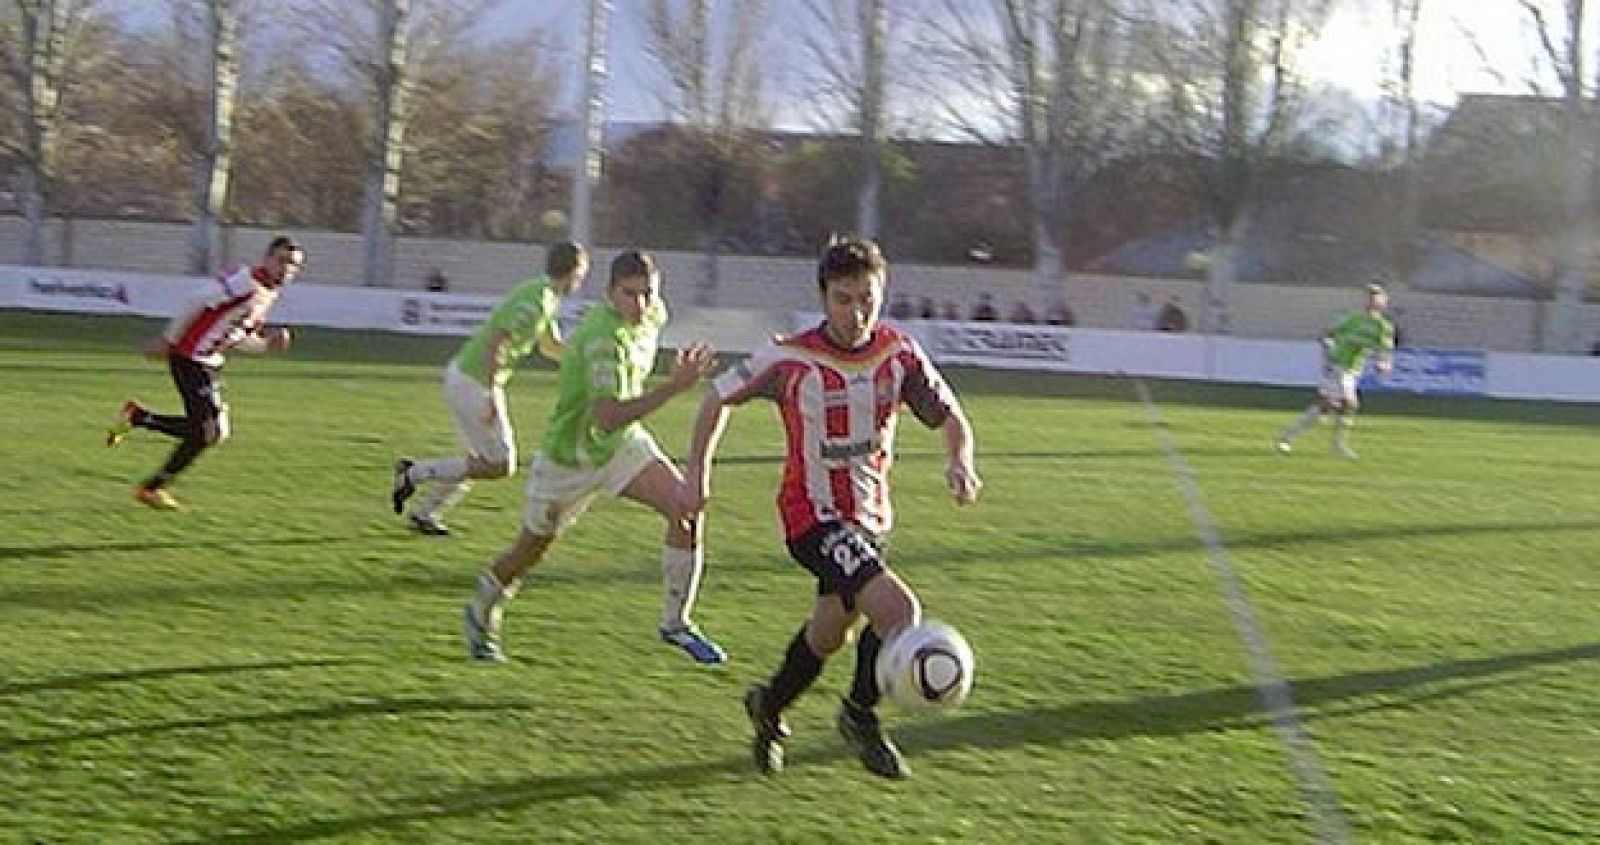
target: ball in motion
<point>926,666</point>
<point>554,219</point>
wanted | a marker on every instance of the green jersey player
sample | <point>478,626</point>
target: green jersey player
<point>595,443</point>
<point>1345,349</point>
<point>474,388</point>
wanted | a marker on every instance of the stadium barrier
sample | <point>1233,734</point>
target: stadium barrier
<point>995,345</point>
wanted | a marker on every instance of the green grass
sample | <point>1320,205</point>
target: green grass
<point>281,662</point>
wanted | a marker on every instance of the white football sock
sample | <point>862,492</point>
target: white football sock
<point>489,600</point>
<point>442,469</point>
<point>1342,424</point>
<point>441,498</point>
<point>680,576</point>
<point>1301,423</point>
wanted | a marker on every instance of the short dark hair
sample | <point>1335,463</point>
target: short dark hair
<point>845,256</point>
<point>283,242</point>
<point>631,263</point>
<point>562,259</point>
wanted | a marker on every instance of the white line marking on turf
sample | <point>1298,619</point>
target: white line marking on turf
<point>1315,788</point>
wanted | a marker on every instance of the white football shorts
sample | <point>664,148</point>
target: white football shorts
<point>482,424</point>
<point>557,494</point>
<point>1338,385</point>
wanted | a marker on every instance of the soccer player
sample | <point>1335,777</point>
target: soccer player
<point>838,388</point>
<point>1345,348</point>
<point>229,316</point>
<point>595,442</point>
<point>474,388</point>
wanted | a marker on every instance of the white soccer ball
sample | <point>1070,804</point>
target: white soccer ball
<point>926,666</point>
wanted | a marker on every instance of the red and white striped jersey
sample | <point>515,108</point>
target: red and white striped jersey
<point>222,317</point>
<point>839,409</point>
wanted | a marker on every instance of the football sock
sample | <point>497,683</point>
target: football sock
<point>680,576</point>
<point>489,600</point>
<point>443,469</point>
<point>165,423</point>
<point>1341,428</point>
<point>441,498</point>
<point>800,669</point>
<point>864,690</point>
<point>1301,423</point>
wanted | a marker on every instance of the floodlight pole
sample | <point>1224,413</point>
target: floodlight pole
<point>586,175</point>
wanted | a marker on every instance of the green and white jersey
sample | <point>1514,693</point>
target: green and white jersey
<point>528,311</point>
<point>605,359</point>
<point>1357,335</point>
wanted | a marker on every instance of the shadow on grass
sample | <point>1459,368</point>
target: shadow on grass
<point>1067,550</point>
<point>62,550</point>
<point>1226,708</point>
<point>94,679</point>
<point>329,712</point>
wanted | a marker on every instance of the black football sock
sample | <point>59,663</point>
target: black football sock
<point>864,692</point>
<point>165,423</point>
<point>800,669</point>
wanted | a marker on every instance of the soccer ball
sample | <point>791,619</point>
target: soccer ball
<point>926,666</point>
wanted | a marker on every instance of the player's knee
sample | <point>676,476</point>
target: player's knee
<point>491,467</point>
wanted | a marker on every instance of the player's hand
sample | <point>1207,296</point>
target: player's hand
<point>963,482</point>
<point>1383,367</point>
<point>692,363</point>
<point>278,338</point>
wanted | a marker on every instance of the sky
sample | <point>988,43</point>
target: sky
<point>1467,46</point>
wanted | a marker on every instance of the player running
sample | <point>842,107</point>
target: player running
<point>1345,348</point>
<point>474,388</point>
<point>231,315</point>
<point>595,442</point>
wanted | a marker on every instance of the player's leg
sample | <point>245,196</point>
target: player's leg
<point>496,586</point>
<point>1345,417</point>
<point>205,424</point>
<point>555,497</point>
<point>809,648</point>
<point>890,607</point>
<point>1326,389</point>
<point>484,430</point>
<point>654,481</point>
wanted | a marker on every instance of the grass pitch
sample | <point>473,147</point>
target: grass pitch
<point>282,661</point>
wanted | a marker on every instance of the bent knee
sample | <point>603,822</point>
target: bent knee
<point>213,432</point>
<point>491,467</point>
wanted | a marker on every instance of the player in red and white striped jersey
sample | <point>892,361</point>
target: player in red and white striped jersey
<point>231,315</point>
<point>839,388</point>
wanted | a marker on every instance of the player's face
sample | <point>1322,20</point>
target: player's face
<point>1377,301</point>
<point>631,296</point>
<point>851,305</point>
<point>284,264</point>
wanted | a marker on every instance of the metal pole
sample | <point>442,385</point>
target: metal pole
<point>587,173</point>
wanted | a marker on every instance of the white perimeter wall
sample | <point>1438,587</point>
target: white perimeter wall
<point>1190,356</point>
<point>788,284</point>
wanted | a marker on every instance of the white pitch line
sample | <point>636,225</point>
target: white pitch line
<point>1315,788</point>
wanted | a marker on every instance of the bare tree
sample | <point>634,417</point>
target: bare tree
<point>847,51</point>
<point>1241,98</point>
<point>215,166</point>
<point>38,54</point>
<point>1400,139</point>
<point>1562,45</point>
<point>1067,76</point>
<point>714,89</point>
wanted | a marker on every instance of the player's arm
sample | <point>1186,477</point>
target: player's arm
<point>709,424</point>
<point>689,365</point>
<point>263,339</point>
<point>550,343</point>
<point>1385,361</point>
<point>930,398</point>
